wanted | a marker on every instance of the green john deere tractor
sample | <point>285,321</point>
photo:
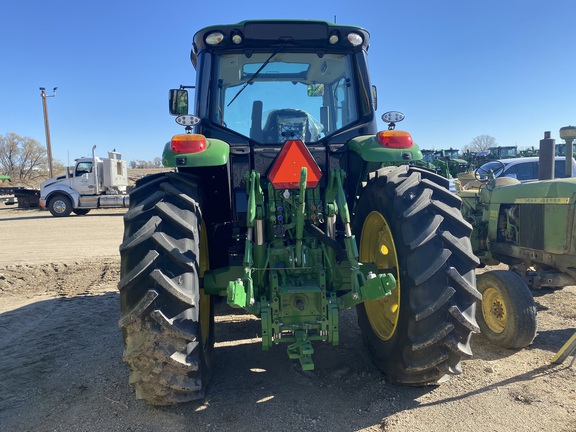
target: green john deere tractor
<point>529,226</point>
<point>450,162</point>
<point>287,201</point>
<point>445,162</point>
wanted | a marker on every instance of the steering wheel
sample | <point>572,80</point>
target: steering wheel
<point>484,175</point>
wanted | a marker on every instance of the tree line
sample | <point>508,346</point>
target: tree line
<point>24,160</point>
<point>139,164</point>
<point>480,143</point>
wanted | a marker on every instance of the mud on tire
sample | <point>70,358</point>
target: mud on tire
<point>411,225</point>
<point>166,320</point>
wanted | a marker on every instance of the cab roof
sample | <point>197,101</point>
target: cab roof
<point>266,34</point>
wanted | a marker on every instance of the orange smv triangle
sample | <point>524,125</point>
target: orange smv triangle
<point>285,173</point>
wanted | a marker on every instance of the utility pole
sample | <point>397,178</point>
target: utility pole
<point>47,126</point>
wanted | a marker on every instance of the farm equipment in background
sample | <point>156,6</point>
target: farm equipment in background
<point>493,153</point>
<point>446,162</point>
<point>289,203</point>
<point>503,152</point>
<point>561,149</point>
<point>91,183</point>
<point>528,152</point>
<point>23,196</point>
<point>452,163</point>
<point>531,227</point>
<point>5,195</point>
<point>427,160</point>
<point>478,158</point>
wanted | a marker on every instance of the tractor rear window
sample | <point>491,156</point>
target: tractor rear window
<point>273,97</point>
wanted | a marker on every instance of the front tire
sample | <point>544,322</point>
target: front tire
<point>408,224</point>
<point>167,321</point>
<point>507,315</point>
<point>60,206</point>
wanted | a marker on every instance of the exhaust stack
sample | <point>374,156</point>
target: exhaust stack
<point>546,161</point>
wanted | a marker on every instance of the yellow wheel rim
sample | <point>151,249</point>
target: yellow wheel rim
<point>205,304</point>
<point>494,310</point>
<point>377,246</point>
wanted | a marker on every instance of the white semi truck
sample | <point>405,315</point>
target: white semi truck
<point>91,183</point>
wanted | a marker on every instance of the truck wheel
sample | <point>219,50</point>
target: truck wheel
<point>410,225</point>
<point>81,212</point>
<point>166,319</point>
<point>507,316</point>
<point>60,206</point>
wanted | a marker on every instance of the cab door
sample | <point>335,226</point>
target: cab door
<point>83,180</point>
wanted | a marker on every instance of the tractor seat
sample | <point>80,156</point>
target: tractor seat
<point>287,124</point>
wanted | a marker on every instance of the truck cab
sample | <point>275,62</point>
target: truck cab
<point>81,176</point>
<point>92,182</point>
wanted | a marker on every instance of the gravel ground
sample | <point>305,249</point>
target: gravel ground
<point>61,365</point>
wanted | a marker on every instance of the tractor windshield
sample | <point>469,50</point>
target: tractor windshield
<point>508,152</point>
<point>452,154</point>
<point>285,96</point>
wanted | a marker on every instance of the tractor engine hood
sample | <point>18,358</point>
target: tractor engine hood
<point>558,191</point>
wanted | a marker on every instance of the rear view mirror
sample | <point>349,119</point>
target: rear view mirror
<point>315,90</point>
<point>178,102</point>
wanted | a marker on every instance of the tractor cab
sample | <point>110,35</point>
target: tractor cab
<point>260,84</point>
<point>263,83</point>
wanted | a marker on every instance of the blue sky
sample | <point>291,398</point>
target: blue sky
<point>456,68</point>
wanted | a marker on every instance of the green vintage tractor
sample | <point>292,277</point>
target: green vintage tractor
<point>531,227</point>
<point>475,159</point>
<point>286,201</point>
<point>446,162</point>
<point>450,162</point>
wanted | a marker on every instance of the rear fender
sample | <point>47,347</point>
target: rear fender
<point>370,150</point>
<point>216,153</point>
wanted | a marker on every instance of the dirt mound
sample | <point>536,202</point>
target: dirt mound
<point>63,279</point>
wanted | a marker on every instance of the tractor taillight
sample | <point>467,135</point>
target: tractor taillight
<point>285,173</point>
<point>395,139</point>
<point>188,143</point>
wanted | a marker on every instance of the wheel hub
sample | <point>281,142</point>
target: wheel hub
<point>494,310</point>
<point>59,206</point>
<point>377,246</point>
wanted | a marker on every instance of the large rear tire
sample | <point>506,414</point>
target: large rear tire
<point>166,319</point>
<point>408,224</point>
<point>507,315</point>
